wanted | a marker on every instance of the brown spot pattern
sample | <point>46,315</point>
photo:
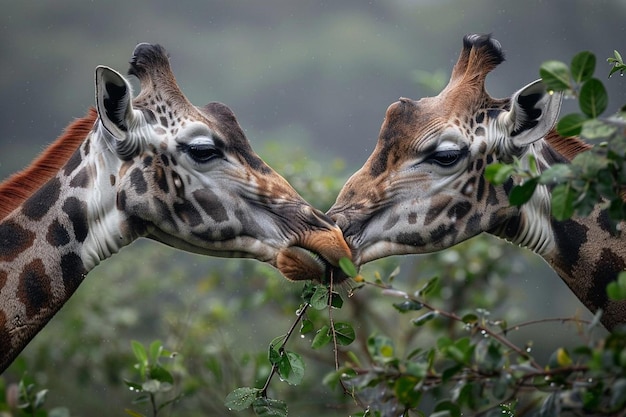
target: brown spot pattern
<point>40,202</point>
<point>211,205</point>
<point>14,239</point>
<point>34,288</point>
<point>77,213</point>
<point>57,234</point>
<point>73,272</point>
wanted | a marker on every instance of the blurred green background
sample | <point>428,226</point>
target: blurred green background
<point>309,82</point>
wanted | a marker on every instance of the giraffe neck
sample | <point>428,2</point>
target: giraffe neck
<point>586,252</point>
<point>50,242</point>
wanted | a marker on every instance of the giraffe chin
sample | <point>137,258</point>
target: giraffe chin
<point>300,264</point>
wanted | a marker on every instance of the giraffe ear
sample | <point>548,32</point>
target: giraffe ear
<point>113,101</point>
<point>534,111</point>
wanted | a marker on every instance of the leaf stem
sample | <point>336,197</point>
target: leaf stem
<point>281,349</point>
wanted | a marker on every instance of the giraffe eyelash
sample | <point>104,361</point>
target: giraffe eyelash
<point>447,158</point>
<point>201,153</point>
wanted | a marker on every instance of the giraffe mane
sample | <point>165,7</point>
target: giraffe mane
<point>568,147</point>
<point>21,185</point>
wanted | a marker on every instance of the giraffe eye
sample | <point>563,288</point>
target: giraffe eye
<point>446,158</point>
<point>203,152</point>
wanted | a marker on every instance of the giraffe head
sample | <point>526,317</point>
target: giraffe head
<point>187,176</point>
<point>423,187</point>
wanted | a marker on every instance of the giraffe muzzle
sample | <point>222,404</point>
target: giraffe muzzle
<point>315,258</point>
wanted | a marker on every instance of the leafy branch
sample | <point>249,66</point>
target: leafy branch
<point>485,361</point>
<point>288,364</point>
<point>593,177</point>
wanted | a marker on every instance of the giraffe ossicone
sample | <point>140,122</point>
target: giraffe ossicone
<point>153,166</point>
<point>423,187</point>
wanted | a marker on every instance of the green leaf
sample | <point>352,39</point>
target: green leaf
<point>594,129</point>
<point>291,368</point>
<point>470,318</point>
<point>408,305</point>
<point>348,267</point>
<point>161,374</point>
<point>40,399</point>
<point>497,173</point>
<point>307,291</point>
<point>322,337</point>
<point>140,352</point>
<point>617,62</point>
<point>555,75</point>
<point>307,326</point>
<point>156,347</point>
<point>335,300</point>
<point>520,194</point>
<point>268,407</point>
<point>405,392</point>
<point>132,385</point>
<point>273,355</point>
<point>319,299</point>
<point>241,398</point>
<point>583,66</point>
<point>593,98</point>
<point>563,202</point>
<point>420,321</point>
<point>571,124</point>
<point>556,174</point>
<point>344,333</point>
<point>430,285</point>
<point>451,408</point>
<point>394,274</point>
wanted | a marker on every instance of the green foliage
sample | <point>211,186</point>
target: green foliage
<point>593,177</point>
<point>24,399</point>
<point>155,381</point>
<point>617,62</point>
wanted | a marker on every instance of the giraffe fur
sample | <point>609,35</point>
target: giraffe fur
<point>153,166</point>
<point>423,188</point>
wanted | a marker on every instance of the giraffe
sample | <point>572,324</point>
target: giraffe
<point>153,166</point>
<point>423,187</point>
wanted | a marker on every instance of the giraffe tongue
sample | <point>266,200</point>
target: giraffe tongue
<point>299,264</point>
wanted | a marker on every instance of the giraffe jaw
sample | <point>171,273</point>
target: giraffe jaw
<point>314,257</point>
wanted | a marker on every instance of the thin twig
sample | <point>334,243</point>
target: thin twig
<point>332,322</point>
<point>484,330</point>
<point>281,349</point>
<point>547,320</point>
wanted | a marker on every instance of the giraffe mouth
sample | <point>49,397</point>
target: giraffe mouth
<point>297,263</point>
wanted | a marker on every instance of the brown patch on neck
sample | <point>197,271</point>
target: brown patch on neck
<point>21,185</point>
<point>568,147</point>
